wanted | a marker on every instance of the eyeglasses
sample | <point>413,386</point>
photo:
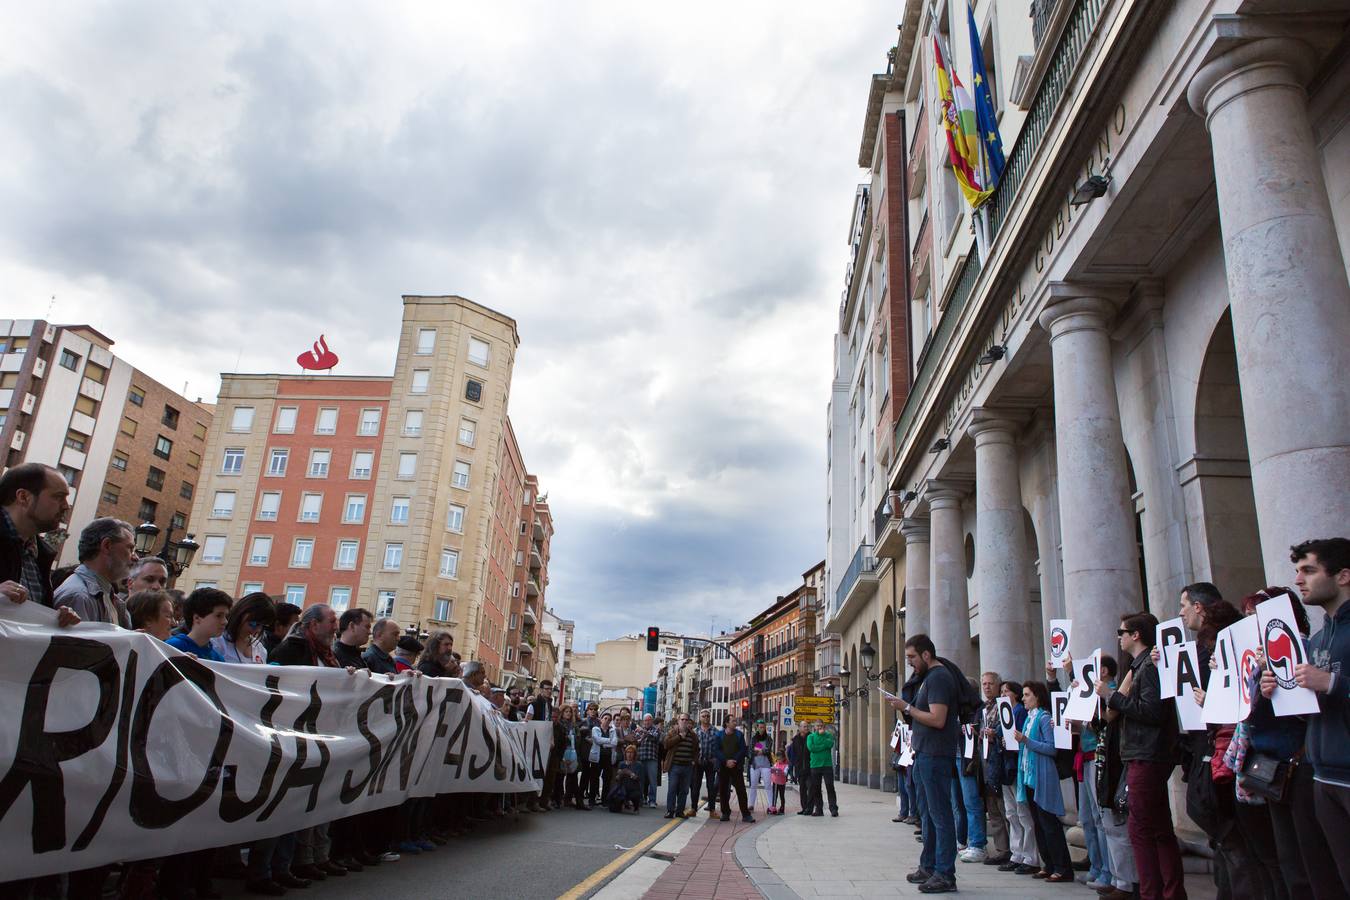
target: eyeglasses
<point>253,625</point>
<point>1121,632</point>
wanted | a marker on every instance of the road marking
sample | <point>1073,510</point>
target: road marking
<point>622,860</point>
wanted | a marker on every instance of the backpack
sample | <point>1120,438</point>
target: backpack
<point>971,705</point>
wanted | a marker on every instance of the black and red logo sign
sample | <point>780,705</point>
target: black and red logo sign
<point>1059,642</point>
<point>1282,653</point>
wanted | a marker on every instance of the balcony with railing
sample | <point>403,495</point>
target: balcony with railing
<point>890,543</point>
<point>859,581</point>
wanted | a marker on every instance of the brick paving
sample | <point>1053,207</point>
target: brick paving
<point>706,869</point>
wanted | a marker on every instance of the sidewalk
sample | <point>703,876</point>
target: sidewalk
<point>706,867</point>
<point>864,854</point>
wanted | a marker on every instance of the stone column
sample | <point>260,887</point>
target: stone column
<point>1000,548</point>
<point>1287,289</point>
<point>1097,527</point>
<point>916,578</point>
<point>949,608</point>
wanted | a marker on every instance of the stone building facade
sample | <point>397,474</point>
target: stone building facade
<point>1128,387</point>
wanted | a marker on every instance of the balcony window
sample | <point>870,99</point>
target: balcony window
<point>454,518</point>
<point>213,548</point>
<point>310,507</point>
<point>222,506</point>
<point>155,479</point>
<point>421,380</point>
<point>398,511</point>
<point>479,352</point>
<point>302,554</point>
<point>269,506</point>
<point>318,463</point>
<point>346,554</point>
<point>370,422</point>
<point>441,609</point>
<point>149,509</point>
<point>260,552</point>
<point>170,417</point>
<point>286,417</point>
<point>354,513</point>
<point>163,447</point>
<point>460,476</point>
<point>362,463</point>
<point>232,461</point>
<point>326,423</point>
<point>426,341</point>
<point>393,557</point>
<point>412,423</point>
<point>242,419</point>
<point>468,430</point>
<point>340,598</point>
<point>407,465</point>
<point>449,564</point>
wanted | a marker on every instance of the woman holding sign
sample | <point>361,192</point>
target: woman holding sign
<point>1038,783</point>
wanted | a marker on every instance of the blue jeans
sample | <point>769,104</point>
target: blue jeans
<point>677,788</point>
<point>935,775</point>
<point>653,769</point>
<point>902,788</point>
<point>1095,837</point>
<point>974,803</point>
<point>958,807</point>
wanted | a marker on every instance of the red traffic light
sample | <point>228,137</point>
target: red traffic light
<point>745,706</point>
<point>654,638</point>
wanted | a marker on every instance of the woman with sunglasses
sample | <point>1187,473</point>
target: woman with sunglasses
<point>250,618</point>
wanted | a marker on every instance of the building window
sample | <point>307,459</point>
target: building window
<point>295,593</point>
<point>370,422</point>
<point>398,511</point>
<point>515,591</point>
<point>163,447</point>
<point>449,564</point>
<point>512,626</point>
<point>128,427</point>
<point>460,477</point>
<point>421,380</point>
<point>194,459</point>
<point>340,598</point>
<point>302,554</point>
<point>473,391</point>
<point>251,587</point>
<point>242,419</point>
<point>524,527</point>
<point>222,507</point>
<point>310,507</point>
<point>454,518</point>
<point>318,463</point>
<point>285,423</point>
<point>393,557</point>
<point>86,405</point>
<point>111,493</point>
<point>260,552</point>
<point>96,373</point>
<point>355,511</point>
<point>510,654</point>
<point>441,609</point>
<point>119,461</point>
<point>179,521</point>
<point>520,557</point>
<point>468,430</point>
<point>170,417</point>
<point>232,461</point>
<point>412,423</point>
<point>346,554</point>
<point>426,341</point>
<point>478,352</point>
<point>136,396</point>
<point>407,465</point>
<point>213,548</point>
<point>269,506</point>
<point>70,360</point>
<point>362,462</point>
<point>326,423</point>
<point>384,604</point>
<point>277,460</point>
<point>155,478</point>
<point>199,431</point>
<point>75,440</point>
<point>185,490</point>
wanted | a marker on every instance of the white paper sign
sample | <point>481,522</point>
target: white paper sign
<point>1229,698</point>
<point>1059,702</point>
<point>1284,652</point>
<point>1083,695</point>
<point>1169,634</point>
<point>896,737</point>
<point>907,748</point>
<point>1186,676</point>
<point>160,753</point>
<point>968,741</point>
<point>1007,723</point>
<point>1061,630</point>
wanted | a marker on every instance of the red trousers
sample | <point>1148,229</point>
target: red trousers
<point>1156,854</point>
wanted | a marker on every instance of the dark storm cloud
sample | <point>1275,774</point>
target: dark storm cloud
<point>659,198</point>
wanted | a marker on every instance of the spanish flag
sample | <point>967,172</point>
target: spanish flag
<point>963,140</point>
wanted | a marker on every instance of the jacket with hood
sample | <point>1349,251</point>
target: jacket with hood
<point>1328,739</point>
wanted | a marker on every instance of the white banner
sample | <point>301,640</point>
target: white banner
<point>115,746</point>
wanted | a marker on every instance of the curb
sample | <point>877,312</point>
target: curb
<point>765,879</point>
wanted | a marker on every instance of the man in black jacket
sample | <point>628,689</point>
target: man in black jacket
<point>33,501</point>
<point>353,633</point>
<point>1148,736</point>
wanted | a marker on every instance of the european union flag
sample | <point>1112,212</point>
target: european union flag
<point>990,141</point>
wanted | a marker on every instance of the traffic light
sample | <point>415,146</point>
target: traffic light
<point>653,638</point>
<point>745,708</point>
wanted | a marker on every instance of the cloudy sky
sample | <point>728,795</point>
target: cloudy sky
<point>659,195</point>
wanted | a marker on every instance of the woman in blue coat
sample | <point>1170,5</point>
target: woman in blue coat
<point>1038,783</point>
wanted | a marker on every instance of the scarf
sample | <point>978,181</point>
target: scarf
<point>1026,759</point>
<point>323,652</point>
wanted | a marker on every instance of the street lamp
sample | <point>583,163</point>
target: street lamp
<point>176,555</point>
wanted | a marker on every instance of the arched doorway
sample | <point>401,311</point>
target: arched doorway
<point>887,659</point>
<point>1225,541</point>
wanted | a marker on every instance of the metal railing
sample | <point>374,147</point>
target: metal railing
<point>881,517</point>
<point>1041,13</point>
<point>863,563</point>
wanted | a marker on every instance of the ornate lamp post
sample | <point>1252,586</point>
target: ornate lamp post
<point>177,555</point>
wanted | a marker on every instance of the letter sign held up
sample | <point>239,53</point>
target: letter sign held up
<point>1008,723</point>
<point>1059,702</point>
<point>1169,634</point>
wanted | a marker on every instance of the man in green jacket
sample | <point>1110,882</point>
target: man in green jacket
<point>820,749</point>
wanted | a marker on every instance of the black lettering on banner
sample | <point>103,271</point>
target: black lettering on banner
<point>149,809</point>
<point>297,776</point>
<point>405,744</point>
<point>476,770</point>
<point>454,756</point>
<point>119,774</point>
<point>385,695</point>
<point>1187,677</point>
<point>438,731</point>
<point>38,755</point>
<point>232,809</point>
<point>537,769</point>
<point>377,785</point>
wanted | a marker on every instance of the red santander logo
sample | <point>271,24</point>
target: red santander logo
<point>319,357</point>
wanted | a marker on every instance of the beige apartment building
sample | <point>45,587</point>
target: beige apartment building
<point>373,491</point>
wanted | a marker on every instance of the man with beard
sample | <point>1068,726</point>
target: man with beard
<point>34,499</point>
<point>107,549</point>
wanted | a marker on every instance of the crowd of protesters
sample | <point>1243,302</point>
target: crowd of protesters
<point>1271,793</point>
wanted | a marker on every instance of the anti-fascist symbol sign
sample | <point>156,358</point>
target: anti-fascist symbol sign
<point>1279,638</point>
<point>1060,632</point>
<point>1284,654</point>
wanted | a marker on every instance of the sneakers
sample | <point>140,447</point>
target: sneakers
<point>408,847</point>
<point>919,876</point>
<point>938,884</point>
<point>998,860</point>
<point>1095,884</point>
<point>389,856</point>
<point>974,855</point>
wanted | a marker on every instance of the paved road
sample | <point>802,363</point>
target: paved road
<point>535,856</point>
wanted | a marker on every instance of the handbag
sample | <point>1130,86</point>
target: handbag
<point>1266,776</point>
<point>568,765</point>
